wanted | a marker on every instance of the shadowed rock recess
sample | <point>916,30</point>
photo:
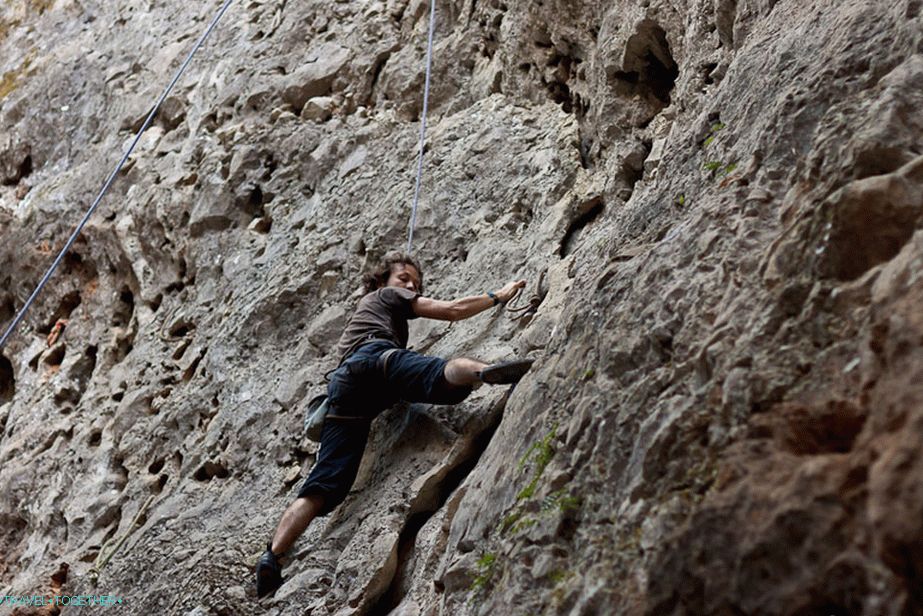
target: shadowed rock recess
<point>725,415</point>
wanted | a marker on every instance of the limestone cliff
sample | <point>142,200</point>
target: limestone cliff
<point>718,202</point>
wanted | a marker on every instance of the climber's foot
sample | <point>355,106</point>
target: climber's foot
<point>268,573</point>
<point>506,372</point>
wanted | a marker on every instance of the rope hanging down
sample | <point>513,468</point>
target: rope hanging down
<point>112,176</point>
<point>429,67</point>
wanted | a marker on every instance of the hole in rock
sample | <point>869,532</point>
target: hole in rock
<point>7,308</point>
<point>648,66</point>
<point>376,75</point>
<point>181,328</point>
<point>7,380</point>
<point>23,170</point>
<point>124,308</point>
<point>142,519</point>
<point>632,173</point>
<point>585,149</point>
<point>90,555</point>
<point>123,346</point>
<point>803,430</point>
<point>109,516</point>
<point>118,467</point>
<point>12,533</point>
<point>173,287</point>
<point>95,439</point>
<point>66,306</point>
<point>210,470</point>
<point>74,264</point>
<point>866,230</point>
<point>256,197</point>
<point>190,371</point>
<point>590,212</point>
<point>205,419</point>
<point>55,356</point>
<point>181,349</point>
<point>82,370</point>
<point>879,160</point>
<point>59,577</point>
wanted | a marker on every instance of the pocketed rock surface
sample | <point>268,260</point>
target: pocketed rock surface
<point>718,205</point>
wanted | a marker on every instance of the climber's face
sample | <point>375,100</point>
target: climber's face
<point>404,276</point>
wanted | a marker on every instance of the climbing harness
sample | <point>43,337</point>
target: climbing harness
<point>112,176</point>
<point>429,67</point>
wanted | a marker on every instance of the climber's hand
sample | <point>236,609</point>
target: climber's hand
<point>510,290</point>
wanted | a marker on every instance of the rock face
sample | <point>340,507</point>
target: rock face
<point>719,206</point>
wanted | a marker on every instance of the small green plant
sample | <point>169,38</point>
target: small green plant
<point>486,565</point>
<point>541,451</point>
<point>589,374</point>
<point>559,575</point>
<point>718,168</point>
<point>561,501</point>
<point>681,199</point>
<point>540,455</point>
<point>510,521</point>
<point>10,80</point>
<point>524,524</point>
<point>517,522</point>
<point>715,128</point>
<point>528,491</point>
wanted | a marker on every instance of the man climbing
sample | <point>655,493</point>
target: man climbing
<point>376,370</point>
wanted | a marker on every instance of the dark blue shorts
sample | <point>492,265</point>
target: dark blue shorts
<point>357,392</point>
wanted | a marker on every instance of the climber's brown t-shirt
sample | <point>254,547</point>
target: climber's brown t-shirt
<point>381,314</point>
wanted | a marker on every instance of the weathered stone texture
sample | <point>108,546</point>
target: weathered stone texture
<point>719,207</point>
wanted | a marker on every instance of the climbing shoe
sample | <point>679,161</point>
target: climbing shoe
<point>268,573</point>
<point>506,372</point>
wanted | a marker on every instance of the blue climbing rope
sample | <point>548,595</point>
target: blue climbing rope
<point>112,176</point>
<point>429,67</point>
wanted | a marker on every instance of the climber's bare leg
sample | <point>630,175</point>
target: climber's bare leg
<point>463,371</point>
<point>294,521</point>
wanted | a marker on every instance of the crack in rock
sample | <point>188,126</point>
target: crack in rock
<point>431,498</point>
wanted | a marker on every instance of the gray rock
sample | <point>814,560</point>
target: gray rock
<point>724,414</point>
<point>318,109</point>
<point>315,76</point>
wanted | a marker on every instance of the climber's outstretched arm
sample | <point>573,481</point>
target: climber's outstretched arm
<point>465,307</point>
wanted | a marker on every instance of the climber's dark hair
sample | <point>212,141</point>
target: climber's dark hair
<point>378,277</point>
